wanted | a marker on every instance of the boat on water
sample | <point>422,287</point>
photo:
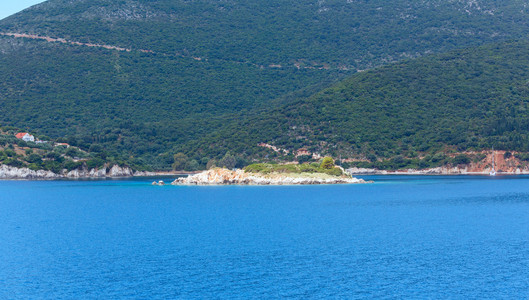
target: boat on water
<point>493,171</point>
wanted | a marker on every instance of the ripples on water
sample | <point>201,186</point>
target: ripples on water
<point>402,237</point>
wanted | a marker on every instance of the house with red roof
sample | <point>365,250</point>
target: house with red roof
<point>25,137</point>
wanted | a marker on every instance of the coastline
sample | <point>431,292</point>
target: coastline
<point>432,172</point>
<point>14,173</point>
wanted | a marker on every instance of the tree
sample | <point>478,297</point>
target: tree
<point>228,161</point>
<point>461,159</point>
<point>327,163</point>
<point>33,158</point>
<point>212,163</point>
<point>180,161</point>
<point>304,158</point>
<point>372,157</point>
<point>55,156</point>
<point>95,163</point>
<point>192,165</point>
<point>96,148</point>
<point>72,152</point>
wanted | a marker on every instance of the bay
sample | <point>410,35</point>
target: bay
<point>401,237</point>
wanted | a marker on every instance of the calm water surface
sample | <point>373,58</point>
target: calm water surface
<point>412,237</point>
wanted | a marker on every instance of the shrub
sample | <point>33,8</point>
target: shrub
<point>72,165</point>
<point>34,167</point>
<point>371,157</point>
<point>55,156</point>
<point>53,166</point>
<point>461,159</point>
<point>95,163</point>
<point>10,153</point>
<point>72,152</point>
<point>304,158</point>
<point>522,156</point>
<point>13,162</point>
<point>334,172</point>
<point>307,168</point>
<point>256,168</point>
<point>33,158</point>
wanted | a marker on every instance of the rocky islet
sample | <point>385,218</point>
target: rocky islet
<point>220,176</point>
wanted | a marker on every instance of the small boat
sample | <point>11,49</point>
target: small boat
<point>493,171</point>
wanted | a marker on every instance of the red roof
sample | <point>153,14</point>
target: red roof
<point>21,135</point>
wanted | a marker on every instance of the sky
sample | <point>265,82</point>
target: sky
<point>9,7</point>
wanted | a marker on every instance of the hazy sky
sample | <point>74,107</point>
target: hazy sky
<point>9,7</point>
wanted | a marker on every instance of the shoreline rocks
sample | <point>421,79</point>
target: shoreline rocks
<point>8,172</point>
<point>240,177</point>
<point>431,171</point>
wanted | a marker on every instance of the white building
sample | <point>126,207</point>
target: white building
<point>25,137</point>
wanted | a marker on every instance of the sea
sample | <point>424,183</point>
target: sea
<point>401,237</point>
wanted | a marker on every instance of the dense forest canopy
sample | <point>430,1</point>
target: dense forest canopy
<point>210,77</point>
<point>342,34</point>
<point>468,99</point>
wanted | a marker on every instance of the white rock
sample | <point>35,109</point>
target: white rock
<point>225,176</point>
<point>8,172</point>
<point>116,171</point>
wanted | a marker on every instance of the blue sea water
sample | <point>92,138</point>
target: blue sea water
<point>401,237</point>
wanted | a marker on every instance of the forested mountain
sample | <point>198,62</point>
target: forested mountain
<point>470,99</point>
<point>346,34</point>
<point>148,79</point>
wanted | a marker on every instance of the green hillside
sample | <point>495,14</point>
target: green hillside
<point>137,105</point>
<point>207,77</point>
<point>332,33</point>
<point>470,99</point>
<point>45,154</point>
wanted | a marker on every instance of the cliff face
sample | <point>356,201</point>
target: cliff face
<point>226,177</point>
<point>7,172</point>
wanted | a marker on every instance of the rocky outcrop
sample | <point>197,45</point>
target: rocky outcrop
<point>117,171</point>
<point>240,177</point>
<point>144,174</point>
<point>8,172</point>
